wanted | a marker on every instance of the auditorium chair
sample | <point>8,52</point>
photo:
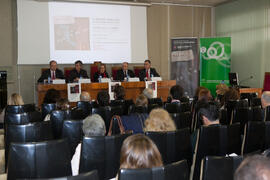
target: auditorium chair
<point>241,115</point>
<point>20,108</point>
<point>174,171</point>
<point>78,114</point>
<point>248,96</point>
<point>114,70</point>
<point>137,109</point>
<point>124,103</point>
<point>219,167</point>
<point>137,70</point>
<point>47,159</point>
<point>182,119</point>
<point>254,137</point>
<point>256,102</point>
<point>93,69</point>
<point>173,107</point>
<point>173,145</point>
<point>234,141</point>
<point>267,135</point>
<point>267,113</point>
<point>85,106</point>
<point>209,142</point>
<point>224,117</point>
<point>72,131</point>
<point>257,112</point>
<point>67,71</point>
<point>57,118</point>
<point>185,107</point>
<point>46,109</point>
<point>232,105</point>
<point>92,175</point>
<point>155,101</point>
<point>20,118</point>
<point>105,113</point>
<point>33,132</point>
<point>152,106</point>
<point>101,153</point>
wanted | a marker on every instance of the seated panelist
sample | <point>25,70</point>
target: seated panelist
<point>53,72</point>
<point>147,72</point>
<point>101,73</point>
<point>77,72</point>
<point>124,72</point>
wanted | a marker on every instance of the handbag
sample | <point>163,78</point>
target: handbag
<point>112,129</point>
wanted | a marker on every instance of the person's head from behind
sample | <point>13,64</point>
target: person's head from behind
<point>15,99</point>
<point>141,101</point>
<point>51,96</point>
<point>265,99</point>
<point>221,89</point>
<point>125,66</point>
<point>139,151</point>
<point>198,91</point>
<point>231,95</point>
<point>62,104</point>
<point>255,167</point>
<point>147,64</point>
<point>205,94</point>
<point>85,96</point>
<point>102,68</point>
<point>176,92</point>
<point>78,65</point>
<point>148,93</point>
<point>103,98</point>
<point>94,125</point>
<point>119,92</point>
<point>159,120</point>
<point>209,113</point>
<point>53,65</point>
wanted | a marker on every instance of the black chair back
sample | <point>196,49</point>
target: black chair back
<point>175,171</point>
<point>182,120</point>
<point>224,117</point>
<point>234,138</point>
<point>85,106</point>
<point>172,107</point>
<point>57,119</point>
<point>21,118</point>
<point>267,114</point>
<point>47,109</point>
<point>155,101</point>
<point>152,106</point>
<point>256,102</point>
<point>173,146</point>
<point>105,113</point>
<point>117,110</point>
<point>210,142</point>
<point>35,116</point>
<point>254,137</point>
<point>47,159</point>
<point>257,113</point>
<point>101,153</point>
<point>137,109</point>
<point>219,168</point>
<point>185,107</point>
<point>72,130</point>
<point>78,114</point>
<point>267,135</point>
<point>16,109</point>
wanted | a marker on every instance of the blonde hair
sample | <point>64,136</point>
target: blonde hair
<point>15,99</point>
<point>221,89</point>
<point>141,101</point>
<point>159,120</point>
<point>148,93</point>
<point>139,151</point>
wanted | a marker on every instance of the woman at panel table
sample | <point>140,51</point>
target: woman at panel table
<point>101,73</point>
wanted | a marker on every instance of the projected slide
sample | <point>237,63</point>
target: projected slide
<point>89,32</point>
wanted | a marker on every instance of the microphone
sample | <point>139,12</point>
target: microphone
<point>246,79</point>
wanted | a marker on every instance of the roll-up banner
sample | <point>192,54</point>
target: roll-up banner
<point>215,62</point>
<point>185,64</point>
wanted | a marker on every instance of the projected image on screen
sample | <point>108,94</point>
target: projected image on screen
<point>71,33</point>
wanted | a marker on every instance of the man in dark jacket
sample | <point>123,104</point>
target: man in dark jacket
<point>53,72</point>
<point>77,72</point>
<point>124,72</point>
<point>148,72</point>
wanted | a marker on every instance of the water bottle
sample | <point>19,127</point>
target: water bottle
<point>127,77</point>
<point>152,76</point>
<point>99,78</point>
<point>49,80</point>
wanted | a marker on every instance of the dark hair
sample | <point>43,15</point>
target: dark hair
<point>208,109</point>
<point>51,96</point>
<point>119,92</point>
<point>78,61</point>
<point>147,60</point>
<point>253,167</point>
<point>52,62</point>
<point>103,98</point>
<point>176,92</point>
<point>62,104</point>
<point>231,95</point>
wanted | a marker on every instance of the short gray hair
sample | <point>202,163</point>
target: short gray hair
<point>85,96</point>
<point>266,96</point>
<point>94,125</point>
<point>148,93</point>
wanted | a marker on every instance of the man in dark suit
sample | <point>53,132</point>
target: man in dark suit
<point>53,72</point>
<point>148,72</point>
<point>77,72</point>
<point>124,72</point>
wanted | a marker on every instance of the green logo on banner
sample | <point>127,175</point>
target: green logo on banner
<point>215,61</point>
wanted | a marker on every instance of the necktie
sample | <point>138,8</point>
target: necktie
<point>147,74</point>
<point>53,75</point>
<point>125,74</point>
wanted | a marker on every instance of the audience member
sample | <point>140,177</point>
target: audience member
<point>139,151</point>
<point>85,96</point>
<point>147,72</point>
<point>141,101</point>
<point>119,92</point>
<point>53,72</point>
<point>159,120</point>
<point>14,99</point>
<point>51,96</point>
<point>197,92</point>
<point>61,104</point>
<point>205,94</point>
<point>101,73</point>
<point>103,98</point>
<point>254,167</point>
<point>123,73</point>
<point>93,125</point>
<point>231,95</point>
<point>176,93</point>
<point>77,72</point>
<point>148,93</point>
<point>265,99</point>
